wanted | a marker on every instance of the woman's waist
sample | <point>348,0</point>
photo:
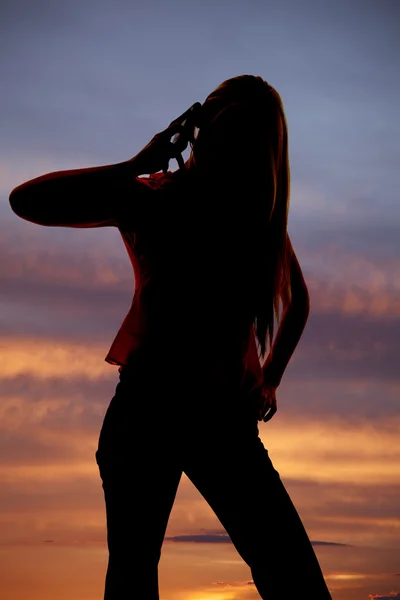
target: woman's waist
<point>197,363</point>
<point>182,378</point>
<point>194,354</point>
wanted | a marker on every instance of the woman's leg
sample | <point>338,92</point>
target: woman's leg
<point>140,479</point>
<point>229,465</point>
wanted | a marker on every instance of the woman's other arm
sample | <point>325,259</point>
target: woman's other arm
<point>91,197</point>
<point>291,325</point>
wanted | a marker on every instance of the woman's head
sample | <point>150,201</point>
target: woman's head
<point>241,122</point>
<point>242,141</point>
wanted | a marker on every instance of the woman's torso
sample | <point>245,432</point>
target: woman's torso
<point>193,279</point>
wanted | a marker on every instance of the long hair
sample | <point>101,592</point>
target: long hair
<point>254,113</point>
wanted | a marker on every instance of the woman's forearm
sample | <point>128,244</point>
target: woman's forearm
<point>88,197</point>
<point>291,326</point>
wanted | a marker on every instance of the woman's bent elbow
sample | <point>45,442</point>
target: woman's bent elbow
<point>307,301</point>
<point>300,302</point>
<point>22,204</point>
<point>16,200</point>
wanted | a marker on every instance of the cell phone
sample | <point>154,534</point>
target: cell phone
<point>187,120</point>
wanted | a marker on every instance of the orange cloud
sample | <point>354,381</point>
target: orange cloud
<point>334,450</point>
<point>352,299</point>
<point>46,358</point>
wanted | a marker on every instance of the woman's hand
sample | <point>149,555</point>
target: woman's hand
<point>267,400</point>
<point>267,403</point>
<point>156,155</point>
<point>262,395</point>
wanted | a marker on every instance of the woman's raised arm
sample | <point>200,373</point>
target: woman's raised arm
<point>92,197</point>
<point>97,196</point>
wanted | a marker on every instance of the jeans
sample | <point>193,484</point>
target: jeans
<point>161,423</point>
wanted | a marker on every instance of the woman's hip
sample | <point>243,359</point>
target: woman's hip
<point>156,403</point>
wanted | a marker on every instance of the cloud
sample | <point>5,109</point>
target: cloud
<point>347,347</point>
<point>75,257</point>
<point>72,485</point>
<point>360,228</point>
<point>319,543</point>
<point>52,358</point>
<point>352,297</point>
<point>347,512</point>
<point>223,538</point>
<point>334,450</point>
<point>336,394</point>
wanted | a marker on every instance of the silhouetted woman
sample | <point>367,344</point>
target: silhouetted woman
<point>212,260</point>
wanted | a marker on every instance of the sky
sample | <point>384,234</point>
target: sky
<point>89,83</point>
